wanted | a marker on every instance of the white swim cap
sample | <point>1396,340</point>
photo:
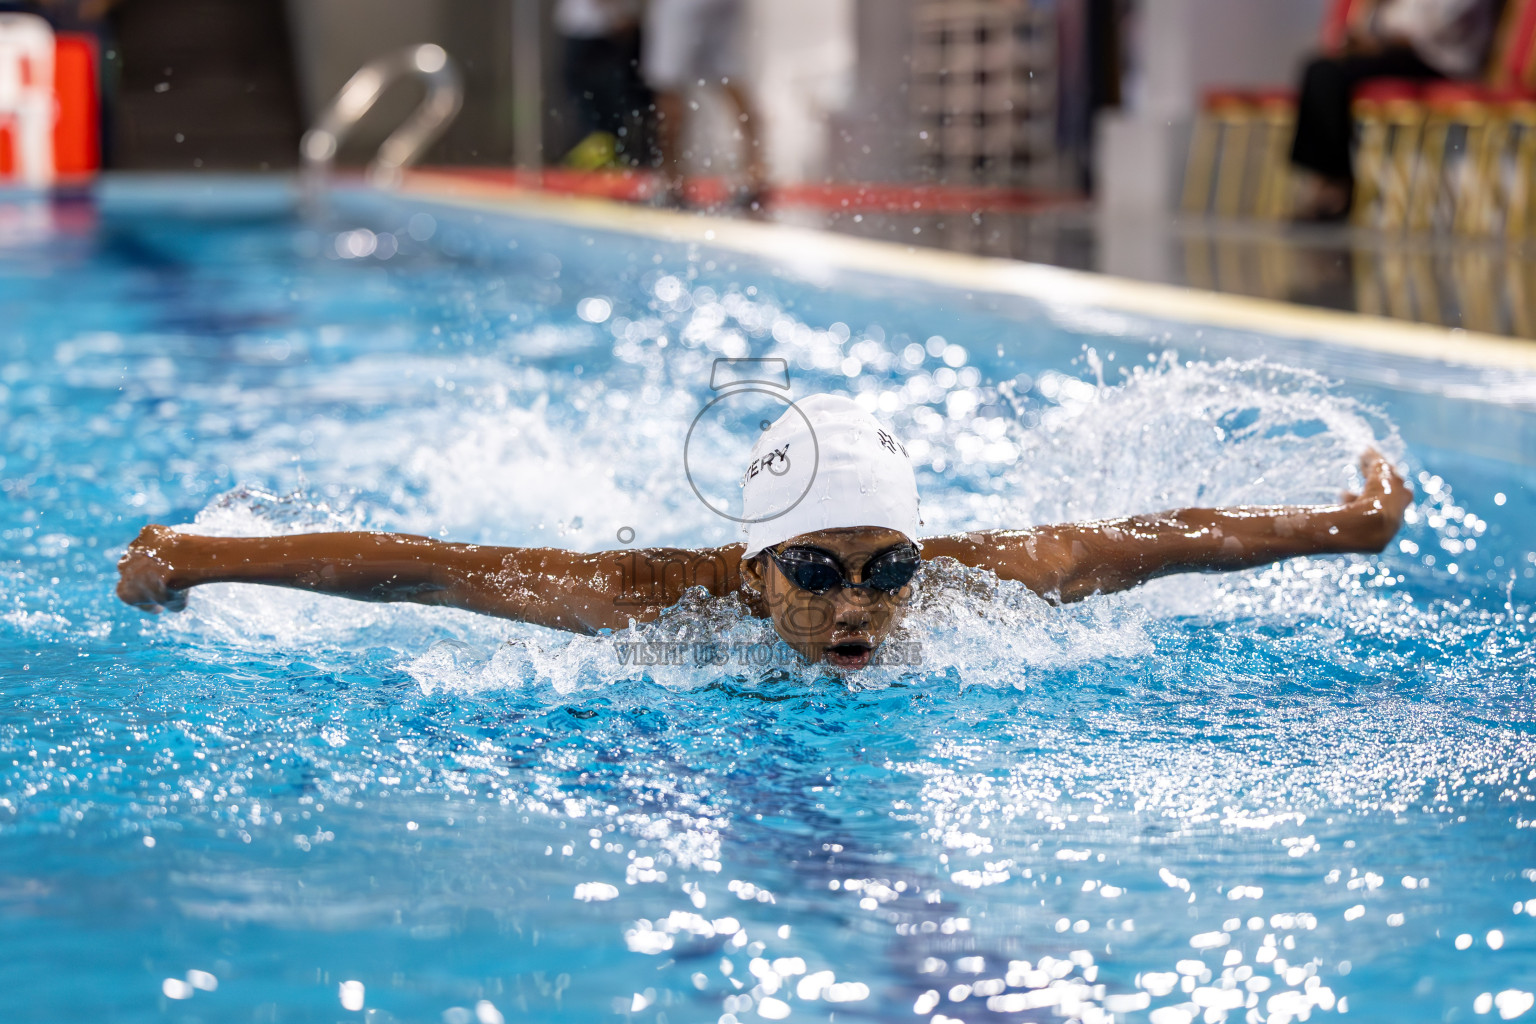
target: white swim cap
<point>823,465</point>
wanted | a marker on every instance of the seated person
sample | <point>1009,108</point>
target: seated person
<point>831,504</point>
<point>1392,39</point>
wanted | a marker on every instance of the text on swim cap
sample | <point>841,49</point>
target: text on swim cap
<point>767,462</point>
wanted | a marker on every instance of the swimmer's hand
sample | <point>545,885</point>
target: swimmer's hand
<point>144,572</point>
<point>1381,502</point>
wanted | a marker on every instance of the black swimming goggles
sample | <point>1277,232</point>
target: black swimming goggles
<point>818,572</point>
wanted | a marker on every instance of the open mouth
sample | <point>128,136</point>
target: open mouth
<point>850,653</point>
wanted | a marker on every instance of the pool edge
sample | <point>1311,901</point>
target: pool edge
<point>1052,286</point>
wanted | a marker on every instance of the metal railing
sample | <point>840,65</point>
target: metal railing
<point>445,95</point>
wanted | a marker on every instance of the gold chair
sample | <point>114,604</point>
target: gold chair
<point>1489,116</point>
<point>1520,123</point>
<point>1218,153</point>
<point>1278,113</point>
<point>1391,122</point>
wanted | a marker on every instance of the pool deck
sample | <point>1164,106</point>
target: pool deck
<point>812,249</point>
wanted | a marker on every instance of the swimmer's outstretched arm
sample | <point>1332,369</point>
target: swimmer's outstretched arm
<point>544,586</point>
<point>1069,563</point>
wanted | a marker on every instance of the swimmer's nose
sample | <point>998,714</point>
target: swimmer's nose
<point>852,614</point>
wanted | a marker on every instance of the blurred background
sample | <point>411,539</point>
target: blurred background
<point>1362,155</point>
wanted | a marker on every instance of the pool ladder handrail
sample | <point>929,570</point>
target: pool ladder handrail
<point>405,145</point>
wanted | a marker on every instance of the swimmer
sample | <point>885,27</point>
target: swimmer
<point>831,506</point>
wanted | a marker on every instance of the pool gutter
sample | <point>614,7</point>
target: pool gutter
<point>809,249</point>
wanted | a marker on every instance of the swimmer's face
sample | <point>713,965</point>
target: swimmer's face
<point>841,626</point>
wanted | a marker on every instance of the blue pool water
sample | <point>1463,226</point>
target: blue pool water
<point>1295,792</point>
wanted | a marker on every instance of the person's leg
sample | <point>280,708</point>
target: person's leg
<point>610,81</point>
<point>670,122</point>
<point>1325,126</point>
<point>581,58</point>
<point>636,131</point>
<point>752,160</point>
<point>667,42</point>
<point>721,60</point>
